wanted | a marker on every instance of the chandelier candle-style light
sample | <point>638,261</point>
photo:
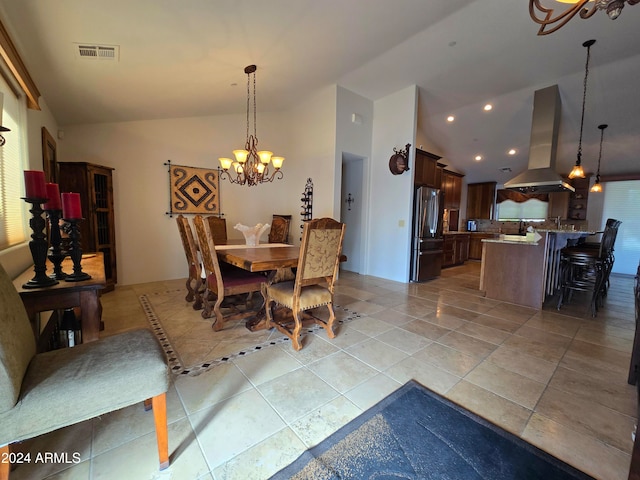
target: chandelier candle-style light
<point>545,17</point>
<point>597,187</point>
<point>251,166</point>
<point>577,171</point>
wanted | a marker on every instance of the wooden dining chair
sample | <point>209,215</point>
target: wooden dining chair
<point>221,283</point>
<point>218,227</point>
<point>279,232</point>
<point>314,282</point>
<point>195,282</point>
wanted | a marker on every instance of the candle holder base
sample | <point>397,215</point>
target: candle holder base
<point>56,254</point>
<point>75,251</point>
<point>38,246</point>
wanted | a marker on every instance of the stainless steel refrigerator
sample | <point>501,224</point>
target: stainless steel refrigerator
<point>426,254</point>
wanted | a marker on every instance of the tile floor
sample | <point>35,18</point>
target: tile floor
<point>557,379</point>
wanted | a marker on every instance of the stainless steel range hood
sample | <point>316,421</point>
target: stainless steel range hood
<point>541,176</point>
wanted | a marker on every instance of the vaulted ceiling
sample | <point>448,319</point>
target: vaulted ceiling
<point>180,59</point>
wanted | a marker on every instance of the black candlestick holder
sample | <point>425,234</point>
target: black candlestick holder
<point>38,246</point>
<point>75,251</point>
<point>56,253</point>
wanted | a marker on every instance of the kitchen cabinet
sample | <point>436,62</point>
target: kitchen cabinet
<point>452,189</point>
<point>481,198</point>
<point>558,205</point>
<point>475,244</point>
<point>455,249</point>
<point>426,169</point>
<point>94,183</point>
<point>578,200</point>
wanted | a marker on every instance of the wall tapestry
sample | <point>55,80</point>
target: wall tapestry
<point>193,190</point>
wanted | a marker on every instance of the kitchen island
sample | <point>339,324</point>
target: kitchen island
<point>524,271</point>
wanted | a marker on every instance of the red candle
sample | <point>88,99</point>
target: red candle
<point>34,186</point>
<point>53,194</point>
<point>71,206</point>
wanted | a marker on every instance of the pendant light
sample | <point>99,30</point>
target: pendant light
<point>597,187</point>
<point>577,171</point>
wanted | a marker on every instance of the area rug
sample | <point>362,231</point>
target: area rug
<point>416,434</point>
<point>193,347</point>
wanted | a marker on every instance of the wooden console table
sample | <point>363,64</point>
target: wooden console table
<point>85,294</point>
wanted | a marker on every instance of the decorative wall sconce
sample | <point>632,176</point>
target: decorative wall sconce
<point>349,201</point>
<point>399,161</point>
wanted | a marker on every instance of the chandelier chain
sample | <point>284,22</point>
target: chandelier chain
<point>584,100</point>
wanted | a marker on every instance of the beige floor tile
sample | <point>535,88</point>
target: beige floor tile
<point>498,410</point>
<point>488,334</point>
<point>342,371</point>
<point>230,427</point>
<point>555,323</point>
<point>617,396</point>
<point>263,460</point>
<point>444,320</point>
<point>266,365</point>
<point>526,365</point>
<point>297,393</point>
<point>507,384</point>
<point>513,313</point>
<point>426,374</point>
<point>211,387</point>
<point>416,307</point>
<point>466,344</point>
<point>605,339</point>
<point>541,336</point>
<point>370,326</point>
<point>425,329</point>
<point>325,420</point>
<point>368,393</point>
<point>497,323</point>
<point>550,353</point>
<point>392,317</point>
<point>376,354</point>
<point>587,417</point>
<point>448,359</point>
<point>584,452</point>
<point>460,313</point>
<point>403,340</point>
<point>139,458</point>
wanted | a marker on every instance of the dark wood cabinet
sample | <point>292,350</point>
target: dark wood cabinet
<point>475,244</point>
<point>558,205</point>
<point>578,200</point>
<point>455,249</point>
<point>481,198</point>
<point>94,183</point>
<point>452,189</point>
<point>427,171</point>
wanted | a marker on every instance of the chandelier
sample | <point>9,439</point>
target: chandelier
<point>577,171</point>
<point>545,16</point>
<point>597,187</point>
<point>251,166</point>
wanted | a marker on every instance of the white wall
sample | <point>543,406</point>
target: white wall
<point>147,241</point>
<point>394,125</point>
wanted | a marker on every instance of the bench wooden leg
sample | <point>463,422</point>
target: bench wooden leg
<point>5,465</point>
<point>159,403</point>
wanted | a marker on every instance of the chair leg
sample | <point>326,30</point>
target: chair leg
<point>219,323</point>
<point>328,326</point>
<point>295,334</point>
<point>159,403</point>
<point>5,464</point>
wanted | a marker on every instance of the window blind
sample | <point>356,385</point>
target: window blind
<point>622,202</point>
<point>13,211</point>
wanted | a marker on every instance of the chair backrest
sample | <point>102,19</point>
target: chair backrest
<point>320,252</point>
<point>190,246</point>
<point>208,251</point>
<point>218,228</point>
<point>279,232</point>
<point>17,342</point>
<point>609,237</point>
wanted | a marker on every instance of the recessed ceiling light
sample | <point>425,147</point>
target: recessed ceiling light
<point>488,107</point>
<point>450,118</point>
<point>477,158</point>
<point>513,151</point>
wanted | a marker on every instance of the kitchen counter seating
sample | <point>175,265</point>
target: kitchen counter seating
<point>43,392</point>
<point>586,269</point>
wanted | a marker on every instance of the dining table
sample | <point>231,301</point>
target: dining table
<point>276,260</point>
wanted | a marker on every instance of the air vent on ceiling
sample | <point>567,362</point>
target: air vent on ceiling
<point>97,52</point>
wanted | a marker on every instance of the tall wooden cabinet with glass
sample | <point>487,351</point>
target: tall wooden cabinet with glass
<point>94,183</point>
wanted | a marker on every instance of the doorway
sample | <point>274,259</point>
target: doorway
<point>352,211</point>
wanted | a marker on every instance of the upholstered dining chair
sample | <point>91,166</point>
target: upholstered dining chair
<point>279,232</point>
<point>42,392</point>
<point>221,283</point>
<point>314,282</point>
<point>195,282</point>
<point>218,227</point>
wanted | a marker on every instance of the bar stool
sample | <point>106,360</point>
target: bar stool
<point>586,269</point>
